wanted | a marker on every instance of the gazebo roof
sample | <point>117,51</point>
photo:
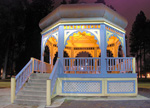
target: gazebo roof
<point>81,13</point>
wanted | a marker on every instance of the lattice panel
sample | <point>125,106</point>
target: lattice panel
<point>121,86</point>
<point>82,86</point>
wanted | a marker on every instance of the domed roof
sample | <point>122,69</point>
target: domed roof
<point>83,12</point>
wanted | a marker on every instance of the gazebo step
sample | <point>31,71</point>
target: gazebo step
<point>33,92</point>
<point>31,97</point>
<point>37,88</point>
<point>29,102</point>
<point>36,84</point>
<point>37,81</point>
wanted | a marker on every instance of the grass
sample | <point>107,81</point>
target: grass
<point>144,85</point>
<point>4,84</point>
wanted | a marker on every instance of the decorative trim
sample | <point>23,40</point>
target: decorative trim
<point>95,26</point>
<point>120,87</point>
<point>80,86</point>
<point>94,32</point>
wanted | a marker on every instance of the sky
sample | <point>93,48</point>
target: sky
<point>127,8</point>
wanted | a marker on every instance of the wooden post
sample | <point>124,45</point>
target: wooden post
<point>32,64</point>
<point>13,89</point>
<point>133,65</point>
<point>48,93</point>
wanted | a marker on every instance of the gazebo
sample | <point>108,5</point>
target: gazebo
<point>87,52</point>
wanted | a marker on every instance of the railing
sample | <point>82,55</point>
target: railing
<point>40,66</point>
<point>54,75</point>
<point>30,67</point>
<point>82,65</point>
<point>120,65</point>
<point>23,75</point>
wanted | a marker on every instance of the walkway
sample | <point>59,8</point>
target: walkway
<point>142,101</point>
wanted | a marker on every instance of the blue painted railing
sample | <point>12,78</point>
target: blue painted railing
<point>23,75</point>
<point>54,75</point>
<point>84,65</point>
<point>120,64</point>
<point>29,68</point>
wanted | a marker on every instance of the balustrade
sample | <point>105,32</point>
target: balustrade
<point>82,65</point>
<point>33,65</point>
<point>120,65</point>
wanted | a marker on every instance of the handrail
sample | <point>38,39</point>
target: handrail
<point>47,68</point>
<point>30,67</point>
<point>54,75</point>
<point>23,75</point>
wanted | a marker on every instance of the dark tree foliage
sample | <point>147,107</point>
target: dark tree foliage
<point>139,41</point>
<point>64,2</point>
<point>136,34</point>
<point>34,13</point>
<point>103,1</point>
<point>73,1</point>
<point>11,27</point>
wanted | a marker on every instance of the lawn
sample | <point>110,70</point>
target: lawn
<point>4,83</point>
<point>144,85</point>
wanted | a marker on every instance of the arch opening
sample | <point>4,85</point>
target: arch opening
<point>50,55</point>
<point>113,45</point>
<point>47,55</point>
<point>114,49</point>
<point>81,48</point>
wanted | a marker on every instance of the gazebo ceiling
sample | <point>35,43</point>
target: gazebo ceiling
<point>82,40</point>
<point>81,13</point>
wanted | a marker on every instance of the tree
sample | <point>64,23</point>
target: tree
<point>74,1</point>
<point>64,2</point>
<point>138,38</point>
<point>34,13</point>
<point>101,1</point>
<point>12,21</point>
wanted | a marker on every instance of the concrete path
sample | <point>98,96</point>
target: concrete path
<point>141,101</point>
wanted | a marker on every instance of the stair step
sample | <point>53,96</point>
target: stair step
<point>41,75</point>
<point>37,80</point>
<point>37,88</point>
<point>29,102</point>
<point>32,92</point>
<point>36,84</point>
<point>31,97</point>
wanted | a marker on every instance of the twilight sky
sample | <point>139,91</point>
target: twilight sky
<point>127,8</point>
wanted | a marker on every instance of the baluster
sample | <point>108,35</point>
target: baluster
<point>69,64</point>
<point>116,64</point>
<point>123,65</point>
<point>88,61</point>
<point>91,65</point>
<point>77,64</point>
<point>86,64</point>
<point>129,64</point>
<point>110,65</point>
<point>64,61</point>
<point>132,65</point>
<point>94,64</point>
<point>80,64</point>
<point>100,64</point>
<point>125,62</point>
